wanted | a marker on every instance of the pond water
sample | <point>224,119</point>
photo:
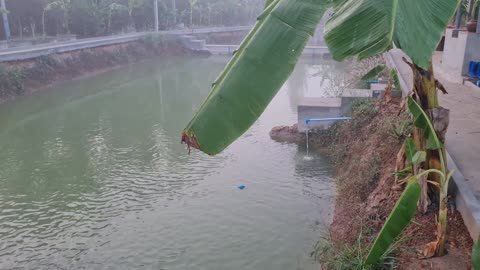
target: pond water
<point>93,176</point>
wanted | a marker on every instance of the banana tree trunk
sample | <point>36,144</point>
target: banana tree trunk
<point>426,92</point>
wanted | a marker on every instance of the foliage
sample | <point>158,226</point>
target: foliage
<point>400,127</point>
<point>362,111</point>
<point>406,206</point>
<point>352,256</point>
<point>11,81</point>
<point>373,73</point>
<point>421,120</point>
<point>153,41</point>
<point>476,256</point>
<point>100,17</point>
<point>367,28</point>
<point>398,219</point>
<point>235,102</point>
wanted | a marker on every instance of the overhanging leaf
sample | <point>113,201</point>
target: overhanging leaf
<point>373,73</point>
<point>421,120</point>
<point>369,27</point>
<point>255,74</point>
<point>399,218</point>
<point>267,3</point>
<point>410,149</point>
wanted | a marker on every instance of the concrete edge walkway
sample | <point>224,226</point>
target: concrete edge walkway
<point>466,201</point>
<point>29,52</point>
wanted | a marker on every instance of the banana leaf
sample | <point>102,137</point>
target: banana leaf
<point>421,120</point>
<point>476,255</point>
<point>252,78</point>
<point>410,149</point>
<point>373,73</point>
<point>268,2</point>
<point>369,27</point>
<point>399,218</point>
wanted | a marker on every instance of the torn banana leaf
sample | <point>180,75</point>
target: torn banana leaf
<point>399,218</point>
<point>260,67</point>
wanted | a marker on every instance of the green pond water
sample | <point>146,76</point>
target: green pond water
<point>93,176</point>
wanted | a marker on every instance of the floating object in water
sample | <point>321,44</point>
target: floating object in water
<point>241,187</point>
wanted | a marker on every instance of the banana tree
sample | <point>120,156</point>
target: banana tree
<point>406,206</point>
<point>358,28</point>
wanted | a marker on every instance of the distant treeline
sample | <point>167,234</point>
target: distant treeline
<point>34,18</point>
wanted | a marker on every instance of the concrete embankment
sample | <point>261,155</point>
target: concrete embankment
<point>26,76</point>
<point>26,69</point>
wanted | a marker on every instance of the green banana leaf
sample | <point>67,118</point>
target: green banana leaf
<point>373,73</point>
<point>399,218</point>
<point>410,149</point>
<point>369,27</point>
<point>421,120</point>
<point>476,255</point>
<point>419,157</point>
<point>268,2</point>
<point>252,78</point>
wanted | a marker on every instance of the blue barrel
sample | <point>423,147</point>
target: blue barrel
<point>474,69</point>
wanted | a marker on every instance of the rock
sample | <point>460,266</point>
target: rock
<point>286,134</point>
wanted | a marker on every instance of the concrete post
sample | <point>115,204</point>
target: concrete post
<point>6,25</point>
<point>174,9</point>
<point>478,20</point>
<point>155,4</point>
<point>470,8</point>
<point>458,18</point>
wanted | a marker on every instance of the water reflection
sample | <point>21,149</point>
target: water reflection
<point>93,176</point>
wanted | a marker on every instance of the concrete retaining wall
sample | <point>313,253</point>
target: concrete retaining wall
<point>68,46</point>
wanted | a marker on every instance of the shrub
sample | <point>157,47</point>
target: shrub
<point>154,41</point>
<point>11,81</point>
<point>352,256</point>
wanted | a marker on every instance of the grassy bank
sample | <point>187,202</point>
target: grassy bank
<point>23,77</point>
<point>365,152</point>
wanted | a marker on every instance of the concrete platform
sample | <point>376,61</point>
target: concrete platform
<point>324,107</point>
<point>463,136</point>
<point>329,107</point>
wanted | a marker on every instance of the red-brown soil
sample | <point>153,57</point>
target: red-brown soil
<point>365,154</point>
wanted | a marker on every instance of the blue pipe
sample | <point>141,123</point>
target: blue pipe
<point>327,119</point>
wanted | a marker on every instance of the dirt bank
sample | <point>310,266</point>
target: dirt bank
<point>364,151</point>
<point>24,77</point>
